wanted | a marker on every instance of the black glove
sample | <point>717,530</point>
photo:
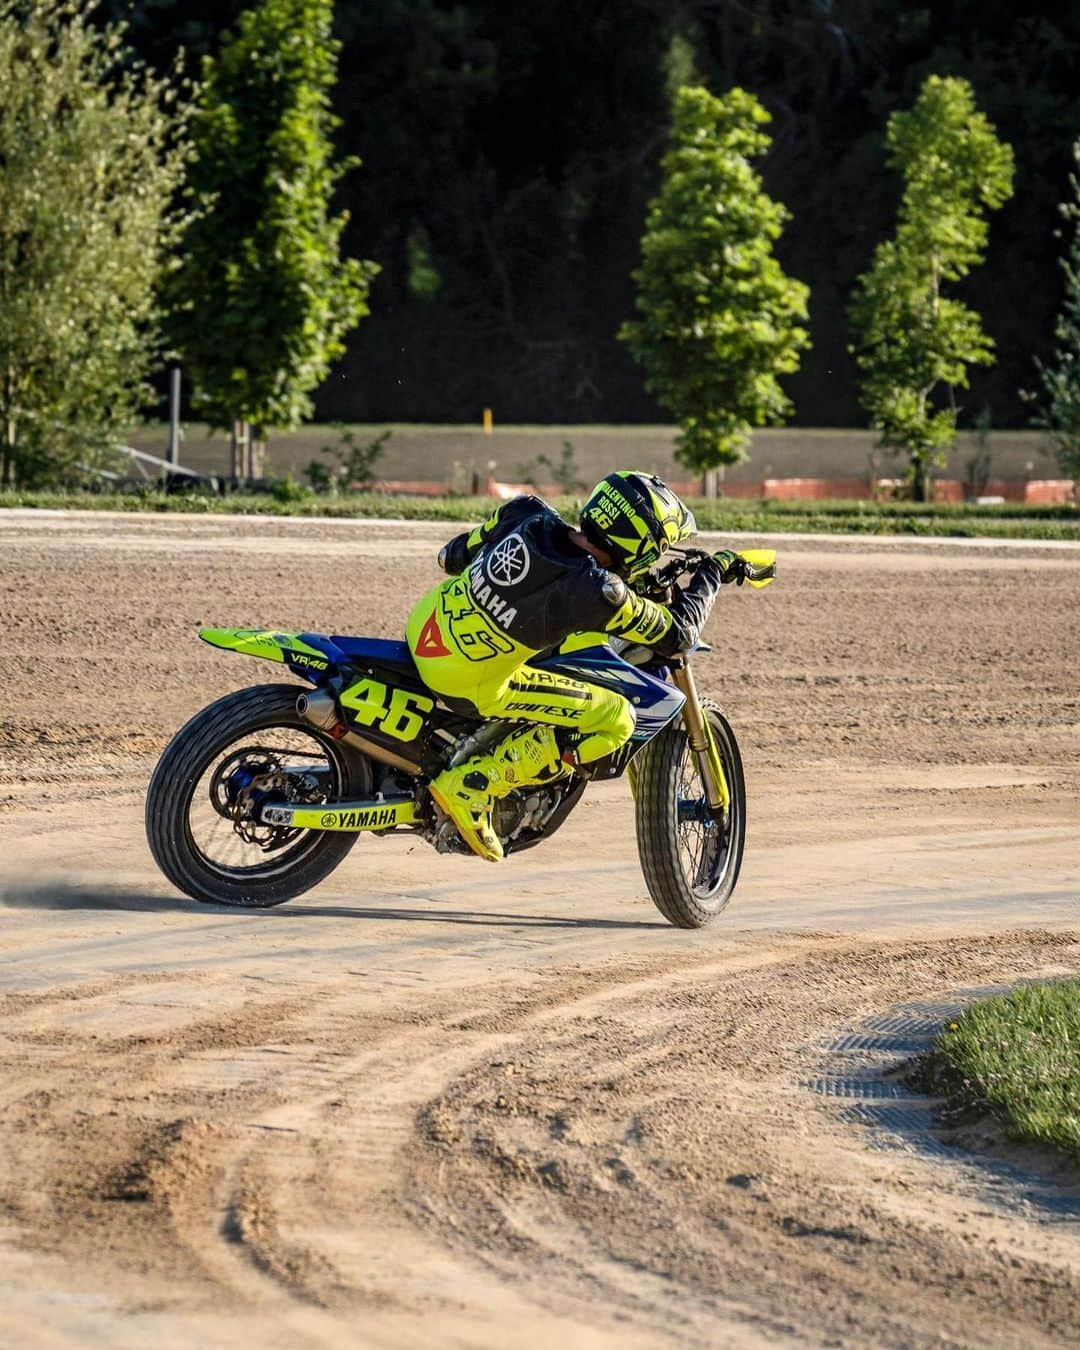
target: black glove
<point>732,567</point>
<point>454,556</point>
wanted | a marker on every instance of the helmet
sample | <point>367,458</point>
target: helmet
<point>635,517</point>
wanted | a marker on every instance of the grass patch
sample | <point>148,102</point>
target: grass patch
<point>1017,1058</point>
<point>1009,521</point>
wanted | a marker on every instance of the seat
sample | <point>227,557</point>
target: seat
<point>382,652</point>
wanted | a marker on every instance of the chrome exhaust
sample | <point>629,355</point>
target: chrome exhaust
<point>321,710</point>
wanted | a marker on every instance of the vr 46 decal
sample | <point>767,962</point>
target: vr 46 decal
<point>401,717</point>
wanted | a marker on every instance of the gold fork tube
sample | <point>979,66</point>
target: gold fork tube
<point>702,745</point>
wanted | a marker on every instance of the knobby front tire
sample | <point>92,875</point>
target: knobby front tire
<point>690,864</point>
<point>172,804</point>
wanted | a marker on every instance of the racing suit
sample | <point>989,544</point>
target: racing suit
<point>519,586</point>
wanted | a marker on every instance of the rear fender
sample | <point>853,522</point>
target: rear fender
<point>378,690</point>
<point>309,655</point>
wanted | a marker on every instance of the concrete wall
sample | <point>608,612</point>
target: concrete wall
<point>454,454</point>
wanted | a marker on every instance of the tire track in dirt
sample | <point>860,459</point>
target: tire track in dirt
<point>508,1104</point>
<point>223,1165</point>
<point>661,1131</point>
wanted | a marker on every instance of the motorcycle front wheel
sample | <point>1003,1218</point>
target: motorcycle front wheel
<point>690,859</point>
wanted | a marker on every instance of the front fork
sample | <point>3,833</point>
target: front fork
<point>702,741</point>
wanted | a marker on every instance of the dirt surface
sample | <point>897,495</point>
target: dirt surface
<point>441,1102</point>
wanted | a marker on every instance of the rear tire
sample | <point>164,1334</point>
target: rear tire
<point>686,893</point>
<point>186,759</point>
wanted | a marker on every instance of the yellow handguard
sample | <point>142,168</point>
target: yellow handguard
<point>762,564</point>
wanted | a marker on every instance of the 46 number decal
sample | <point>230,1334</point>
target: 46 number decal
<point>401,717</point>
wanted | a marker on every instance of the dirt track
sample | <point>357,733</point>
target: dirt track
<point>438,1102</point>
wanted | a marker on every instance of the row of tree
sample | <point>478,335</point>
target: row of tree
<point>139,213</point>
<point>145,218</point>
<point>510,152</point>
<point>719,321</point>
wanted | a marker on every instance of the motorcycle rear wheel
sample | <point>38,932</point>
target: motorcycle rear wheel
<point>183,788</point>
<point>691,862</point>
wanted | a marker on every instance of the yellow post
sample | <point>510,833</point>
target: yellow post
<point>487,422</point>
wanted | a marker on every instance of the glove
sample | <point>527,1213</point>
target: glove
<point>732,567</point>
<point>454,556</point>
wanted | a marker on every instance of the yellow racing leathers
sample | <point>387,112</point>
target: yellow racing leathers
<point>519,586</point>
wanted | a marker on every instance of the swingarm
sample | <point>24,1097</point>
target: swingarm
<point>383,814</point>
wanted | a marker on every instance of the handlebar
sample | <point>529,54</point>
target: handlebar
<point>759,568</point>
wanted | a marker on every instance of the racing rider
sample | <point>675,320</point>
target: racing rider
<point>521,583</point>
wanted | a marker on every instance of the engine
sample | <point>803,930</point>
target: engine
<point>524,812</point>
<point>527,809</point>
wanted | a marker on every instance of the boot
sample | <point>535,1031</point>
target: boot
<point>526,757</point>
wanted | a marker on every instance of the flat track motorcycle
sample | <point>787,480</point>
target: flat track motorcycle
<point>263,793</point>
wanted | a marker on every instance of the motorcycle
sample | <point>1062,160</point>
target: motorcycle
<point>263,793</point>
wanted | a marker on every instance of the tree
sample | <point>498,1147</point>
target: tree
<point>914,342</point>
<point>91,153</point>
<point>1060,378</point>
<point>495,143</point>
<point>718,318</point>
<point>262,299</point>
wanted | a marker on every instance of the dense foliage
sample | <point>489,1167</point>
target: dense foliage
<point>913,340</point>
<point>717,319</point>
<point>1060,411</point>
<point>262,298</point>
<point>91,157</point>
<point>509,152</point>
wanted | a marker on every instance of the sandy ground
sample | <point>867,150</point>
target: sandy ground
<point>439,1102</point>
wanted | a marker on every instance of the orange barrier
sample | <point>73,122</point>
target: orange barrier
<point>412,487</point>
<point>814,489</point>
<point>1038,491</point>
<point>1049,491</point>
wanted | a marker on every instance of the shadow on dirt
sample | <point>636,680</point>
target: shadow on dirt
<point>69,895</point>
<point>73,896</point>
<point>488,918</point>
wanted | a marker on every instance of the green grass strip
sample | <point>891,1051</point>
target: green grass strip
<point>1009,521</point>
<point>1018,1057</point>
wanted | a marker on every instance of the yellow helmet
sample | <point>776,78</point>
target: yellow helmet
<point>636,518</point>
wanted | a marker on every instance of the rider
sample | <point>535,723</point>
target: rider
<point>521,583</point>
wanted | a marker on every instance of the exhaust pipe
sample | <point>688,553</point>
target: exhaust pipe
<point>321,710</point>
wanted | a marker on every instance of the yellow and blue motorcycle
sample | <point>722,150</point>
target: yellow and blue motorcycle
<point>263,793</point>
